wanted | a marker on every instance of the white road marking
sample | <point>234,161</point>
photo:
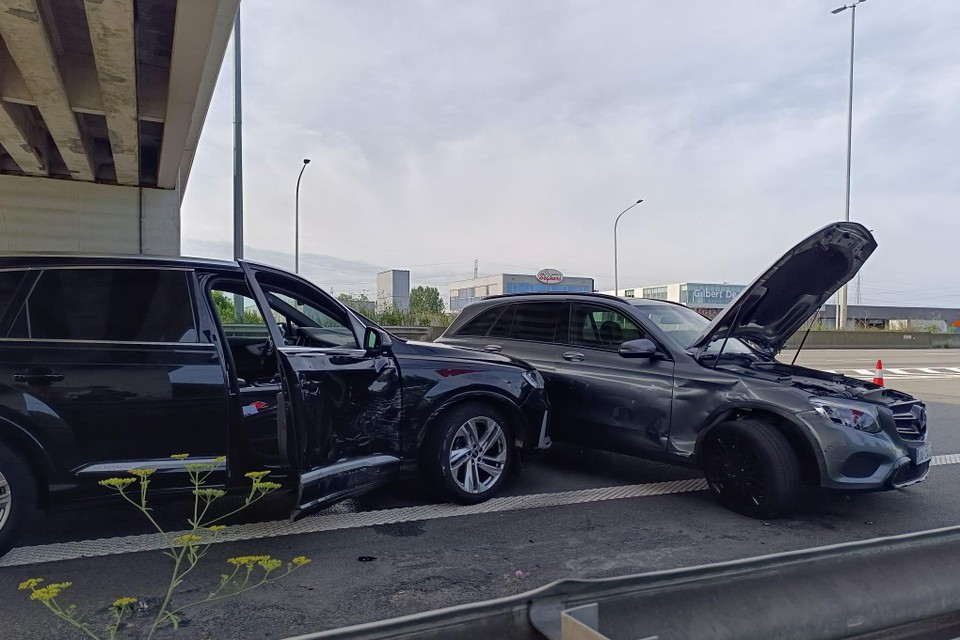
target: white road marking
<point>865,372</point>
<point>899,372</point>
<point>928,370</point>
<point>332,522</point>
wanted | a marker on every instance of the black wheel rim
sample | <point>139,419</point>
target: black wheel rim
<point>735,472</point>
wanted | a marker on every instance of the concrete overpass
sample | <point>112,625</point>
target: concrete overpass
<point>101,107</point>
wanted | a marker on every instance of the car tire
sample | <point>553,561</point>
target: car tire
<point>751,468</point>
<point>468,453</point>
<point>18,498</point>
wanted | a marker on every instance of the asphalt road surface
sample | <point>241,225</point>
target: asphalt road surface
<point>576,513</point>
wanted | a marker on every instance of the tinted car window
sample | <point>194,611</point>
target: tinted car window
<point>126,305</point>
<point>601,327</point>
<point>501,328</point>
<point>482,323</point>
<point>8,286</point>
<point>536,321</point>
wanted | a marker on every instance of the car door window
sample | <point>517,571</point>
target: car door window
<point>110,304</point>
<point>501,328</point>
<point>480,325</point>
<point>536,321</point>
<point>601,327</point>
<point>305,316</point>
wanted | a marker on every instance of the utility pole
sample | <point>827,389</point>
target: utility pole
<point>237,161</point>
<point>476,269</point>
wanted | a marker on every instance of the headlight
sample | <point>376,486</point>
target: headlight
<point>857,415</point>
<point>534,378</point>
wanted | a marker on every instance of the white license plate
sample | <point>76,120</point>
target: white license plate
<point>922,454</point>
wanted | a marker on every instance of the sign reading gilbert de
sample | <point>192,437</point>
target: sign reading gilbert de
<point>549,276</point>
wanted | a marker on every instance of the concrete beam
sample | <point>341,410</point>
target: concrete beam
<point>19,140</point>
<point>111,34</point>
<point>201,32</point>
<point>30,48</point>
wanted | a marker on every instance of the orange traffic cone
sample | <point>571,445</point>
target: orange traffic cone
<point>878,376</point>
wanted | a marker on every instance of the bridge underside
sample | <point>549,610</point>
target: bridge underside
<point>101,107</point>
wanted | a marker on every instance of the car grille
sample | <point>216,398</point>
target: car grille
<point>909,472</point>
<point>911,419</point>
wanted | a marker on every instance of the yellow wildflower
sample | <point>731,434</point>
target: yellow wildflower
<point>268,486</point>
<point>180,456</point>
<point>247,561</point>
<point>257,475</point>
<point>220,459</point>
<point>49,592</point>
<point>217,527</point>
<point>30,584</point>
<point>199,466</point>
<point>188,538</point>
<point>301,560</point>
<point>270,564</point>
<point>117,483</point>
<point>143,474</point>
<point>123,603</point>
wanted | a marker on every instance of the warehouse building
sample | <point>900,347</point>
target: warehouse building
<point>465,292</point>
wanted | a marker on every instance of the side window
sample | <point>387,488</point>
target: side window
<point>237,311</point>
<point>601,327</point>
<point>305,316</point>
<point>501,328</point>
<point>536,321</point>
<point>9,281</point>
<point>116,305</point>
<point>480,325</point>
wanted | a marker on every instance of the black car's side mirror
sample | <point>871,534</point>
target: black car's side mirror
<point>641,348</point>
<point>376,340</point>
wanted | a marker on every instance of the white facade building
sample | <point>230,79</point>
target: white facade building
<point>393,290</point>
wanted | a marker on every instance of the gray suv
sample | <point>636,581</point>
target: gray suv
<point>656,379</point>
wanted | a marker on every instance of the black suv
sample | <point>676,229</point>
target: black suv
<point>658,380</point>
<point>111,364</point>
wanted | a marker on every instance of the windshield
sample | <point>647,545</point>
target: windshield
<point>684,325</point>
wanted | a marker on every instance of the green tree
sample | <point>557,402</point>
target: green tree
<point>227,311</point>
<point>425,301</point>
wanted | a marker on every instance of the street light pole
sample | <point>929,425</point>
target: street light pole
<point>616,282</point>
<point>296,231</point>
<point>842,306</point>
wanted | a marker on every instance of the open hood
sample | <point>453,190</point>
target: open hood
<point>776,304</point>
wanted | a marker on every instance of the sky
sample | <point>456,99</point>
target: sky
<point>441,132</point>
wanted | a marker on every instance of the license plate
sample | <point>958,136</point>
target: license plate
<point>922,454</point>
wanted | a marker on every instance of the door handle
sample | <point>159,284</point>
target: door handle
<point>493,348</point>
<point>38,377</point>
<point>574,356</point>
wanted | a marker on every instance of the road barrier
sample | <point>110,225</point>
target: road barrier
<point>875,340</point>
<point>905,586</point>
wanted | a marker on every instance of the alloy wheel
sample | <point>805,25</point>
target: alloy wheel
<point>735,473</point>
<point>4,500</point>
<point>478,455</point>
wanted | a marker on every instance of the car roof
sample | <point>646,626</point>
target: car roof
<point>21,260</point>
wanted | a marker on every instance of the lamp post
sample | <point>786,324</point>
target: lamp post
<point>296,230</point>
<point>842,306</point>
<point>616,282</point>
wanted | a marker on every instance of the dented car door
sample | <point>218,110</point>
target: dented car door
<point>341,423</point>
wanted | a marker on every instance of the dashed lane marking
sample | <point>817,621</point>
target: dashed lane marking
<point>336,521</point>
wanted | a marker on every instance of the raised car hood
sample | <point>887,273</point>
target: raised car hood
<point>776,304</point>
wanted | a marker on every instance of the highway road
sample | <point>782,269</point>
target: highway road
<point>575,513</point>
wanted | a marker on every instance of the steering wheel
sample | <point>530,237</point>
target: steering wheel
<point>267,351</point>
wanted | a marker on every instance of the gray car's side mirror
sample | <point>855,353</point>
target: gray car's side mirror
<point>376,340</point>
<point>641,348</point>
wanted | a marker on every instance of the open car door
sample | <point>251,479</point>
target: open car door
<point>341,407</point>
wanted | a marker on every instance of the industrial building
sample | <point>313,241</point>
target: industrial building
<point>706,298</point>
<point>465,292</point>
<point>393,290</point>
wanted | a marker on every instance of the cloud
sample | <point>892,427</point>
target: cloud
<point>513,133</point>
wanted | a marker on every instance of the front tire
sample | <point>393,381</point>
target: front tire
<point>18,498</point>
<point>468,453</point>
<point>751,468</point>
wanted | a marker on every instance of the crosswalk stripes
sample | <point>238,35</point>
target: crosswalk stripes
<point>901,373</point>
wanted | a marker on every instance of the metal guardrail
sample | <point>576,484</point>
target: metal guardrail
<point>905,586</point>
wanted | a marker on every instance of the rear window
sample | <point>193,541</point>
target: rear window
<point>536,321</point>
<point>117,305</point>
